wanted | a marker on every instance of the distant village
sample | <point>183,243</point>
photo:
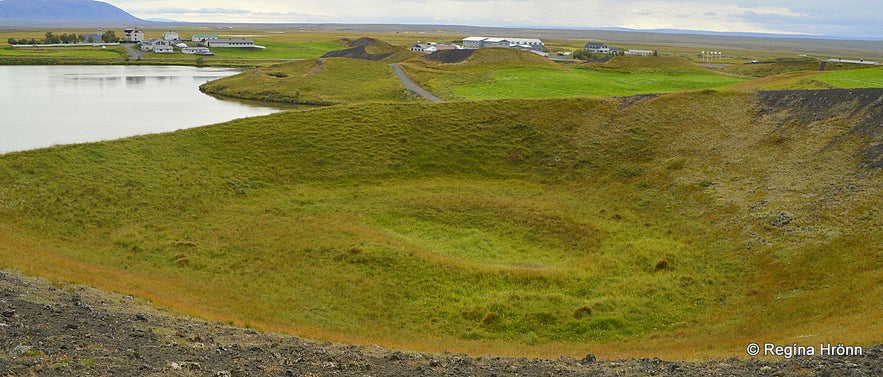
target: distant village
<point>197,44</point>
<point>528,44</point>
<point>171,40</point>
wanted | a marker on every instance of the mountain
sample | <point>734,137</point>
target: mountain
<point>63,12</point>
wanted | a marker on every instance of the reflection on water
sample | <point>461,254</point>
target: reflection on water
<point>46,105</point>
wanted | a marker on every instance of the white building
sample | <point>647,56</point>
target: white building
<point>472,43</point>
<point>237,43</point>
<point>163,49</point>
<point>152,43</point>
<point>196,51</point>
<point>431,47</point>
<point>203,37</point>
<point>171,36</point>
<point>422,47</point>
<point>639,52</point>
<point>597,48</point>
<point>528,43</point>
<point>475,43</point>
<point>134,35</point>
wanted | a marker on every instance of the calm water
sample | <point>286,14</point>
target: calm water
<point>42,106</point>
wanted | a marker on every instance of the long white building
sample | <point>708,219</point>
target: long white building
<point>475,43</point>
<point>220,42</point>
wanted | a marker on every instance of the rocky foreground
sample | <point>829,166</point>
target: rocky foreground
<point>46,331</point>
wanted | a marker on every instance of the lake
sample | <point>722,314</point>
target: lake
<point>42,106</point>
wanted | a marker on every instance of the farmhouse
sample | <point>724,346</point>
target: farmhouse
<point>171,36</point>
<point>475,43</point>
<point>133,35</point>
<point>163,49</point>
<point>422,47</point>
<point>597,48</point>
<point>152,43</point>
<point>237,43</point>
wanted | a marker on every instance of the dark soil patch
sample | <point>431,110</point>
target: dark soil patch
<point>46,330</point>
<point>365,42</point>
<point>359,52</point>
<point>864,106</point>
<point>449,56</point>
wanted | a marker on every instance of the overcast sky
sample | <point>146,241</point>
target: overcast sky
<point>845,18</point>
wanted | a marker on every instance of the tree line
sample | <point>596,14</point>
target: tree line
<point>51,38</point>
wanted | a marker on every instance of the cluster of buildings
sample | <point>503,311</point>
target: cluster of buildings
<point>603,48</point>
<point>529,44</point>
<point>475,43</point>
<point>171,40</point>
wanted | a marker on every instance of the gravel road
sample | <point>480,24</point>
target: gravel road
<point>412,86</point>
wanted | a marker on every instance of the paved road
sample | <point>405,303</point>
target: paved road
<point>412,86</point>
<point>133,53</point>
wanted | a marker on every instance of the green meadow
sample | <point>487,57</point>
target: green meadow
<point>317,82</point>
<point>544,83</point>
<point>472,226</point>
<point>858,78</point>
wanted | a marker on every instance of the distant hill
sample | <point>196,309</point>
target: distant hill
<point>372,49</point>
<point>63,12</point>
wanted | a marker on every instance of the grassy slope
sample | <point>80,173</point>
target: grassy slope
<point>496,74</point>
<point>315,81</point>
<point>476,226</point>
<point>813,79</point>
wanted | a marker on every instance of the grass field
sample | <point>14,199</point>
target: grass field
<point>860,78</point>
<point>475,226</point>
<point>545,83</point>
<point>814,79</point>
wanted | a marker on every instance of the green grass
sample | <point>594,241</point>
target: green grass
<point>281,50</point>
<point>315,81</point>
<point>545,83</point>
<point>55,52</point>
<point>474,226</point>
<point>859,78</point>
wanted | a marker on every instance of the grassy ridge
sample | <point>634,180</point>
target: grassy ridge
<point>850,79</point>
<point>473,226</point>
<point>504,73</point>
<point>315,81</point>
<point>496,74</point>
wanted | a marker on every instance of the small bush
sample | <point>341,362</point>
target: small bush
<point>491,318</point>
<point>582,312</point>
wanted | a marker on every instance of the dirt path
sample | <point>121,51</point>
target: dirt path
<point>48,330</point>
<point>412,86</point>
<point>133,53</point>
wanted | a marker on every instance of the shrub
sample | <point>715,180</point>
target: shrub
<point>582,312</point>
<point>491,318</point>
